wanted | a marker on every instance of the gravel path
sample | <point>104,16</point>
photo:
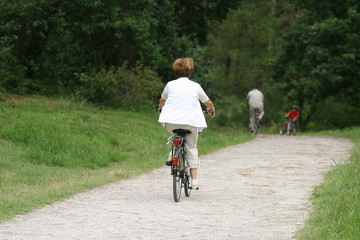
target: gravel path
<point>256,190</point>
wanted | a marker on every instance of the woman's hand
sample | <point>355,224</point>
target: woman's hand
<point>161,104</point>
<point>210,108</point>
<point>211,112</point>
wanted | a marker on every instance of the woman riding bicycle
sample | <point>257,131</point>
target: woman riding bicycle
<point>179,107</point>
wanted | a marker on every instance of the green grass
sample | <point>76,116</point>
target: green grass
<point>336,202</point>
<point>52,148</point>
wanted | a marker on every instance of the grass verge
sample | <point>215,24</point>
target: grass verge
<point>51,149</point>
<point>336,202</point>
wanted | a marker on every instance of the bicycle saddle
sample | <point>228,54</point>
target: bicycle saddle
<point>181,132</point>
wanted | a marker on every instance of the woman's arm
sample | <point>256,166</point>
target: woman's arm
<point>161,104</point>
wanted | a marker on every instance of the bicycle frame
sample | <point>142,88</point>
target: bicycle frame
<point>286,127</point>
<point>257,120</point>
<point>257,113</point>
<point>177,146</point>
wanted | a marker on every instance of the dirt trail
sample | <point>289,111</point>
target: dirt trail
<point>256,190</point>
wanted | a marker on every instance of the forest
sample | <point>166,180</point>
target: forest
<point>116,53</point>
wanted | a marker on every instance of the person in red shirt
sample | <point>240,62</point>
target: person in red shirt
<point>294,118</point>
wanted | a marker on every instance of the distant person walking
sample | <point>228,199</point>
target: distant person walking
<point>255,99</point>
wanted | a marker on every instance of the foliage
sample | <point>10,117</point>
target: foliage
<point>230,114</point>
<point>52,47</point>
<point>121,86</point>
<point>319,57</point>
<point>11,74</point>
<point>51,40</point>
<point>334,113</point>
<point>194,17</point>
<point>240,48</point>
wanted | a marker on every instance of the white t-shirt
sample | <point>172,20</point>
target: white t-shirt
<point>255,98</point>
<point>182,104</point>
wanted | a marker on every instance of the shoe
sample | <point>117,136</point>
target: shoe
<point>195,184</point>
<point>194,187</point>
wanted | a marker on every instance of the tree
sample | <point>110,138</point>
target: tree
<point>240,46</point>
<point>239,50</point>
<point>194,17</point>
<point>54,39</point>
<point>319,57</point>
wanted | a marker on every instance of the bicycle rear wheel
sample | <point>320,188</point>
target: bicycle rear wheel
<point>256,129</point>
<point>187,179</point>
<point>177,179</point>
<point>283,129</point>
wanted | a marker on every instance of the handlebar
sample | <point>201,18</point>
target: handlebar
<point>211,113</point>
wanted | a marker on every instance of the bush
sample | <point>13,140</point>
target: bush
<point>12,74</point>
<point>120,86</point>
<point>231,111</point>
<point>334,113</point>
